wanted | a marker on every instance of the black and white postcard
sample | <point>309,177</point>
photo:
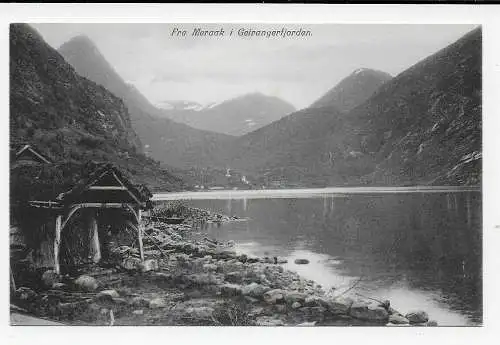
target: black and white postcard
<point>278,173</point>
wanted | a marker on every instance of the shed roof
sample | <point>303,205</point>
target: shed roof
<point>106,184</point>
<point>70,182</point>
<point>28,150</point>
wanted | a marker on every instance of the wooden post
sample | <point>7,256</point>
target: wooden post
<point>140,228</point>
<point>12,282</point>
<point>57,243</point>
<point>94,238</point>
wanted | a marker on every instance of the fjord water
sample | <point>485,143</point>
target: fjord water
<point>419,249</point>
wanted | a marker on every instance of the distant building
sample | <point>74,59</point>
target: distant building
<point>27,155</point>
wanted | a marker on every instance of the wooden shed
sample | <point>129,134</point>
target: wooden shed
<point>69,228</point>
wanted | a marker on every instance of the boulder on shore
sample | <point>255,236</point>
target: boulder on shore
<point>418,316</point>
<point>50,278</point>
<point>273,296</point>
<point>231,290</point>
<point>86,283</point>
<point>107,295</point>
<point>149,265</point>
<point>131,263</point>
<point>293,296</point>
<point>26,294</point>
<point>368,312</point>
<point>157,303</point>
<point>339,305</point>
<point>268,321</point>
<point>398,319</point>
<point>301,261</point>
<point>254,290</point>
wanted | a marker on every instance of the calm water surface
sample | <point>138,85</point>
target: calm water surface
<point>419,249</point>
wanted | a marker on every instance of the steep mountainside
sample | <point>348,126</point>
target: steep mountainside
<point>174,144</point>
<point>68,117</point>
<point>353,89</point>
<point>421,127</point>
<point>236,116</point>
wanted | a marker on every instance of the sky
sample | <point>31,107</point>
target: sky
<point>165,66</point>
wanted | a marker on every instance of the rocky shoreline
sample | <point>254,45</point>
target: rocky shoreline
<point>189,279</point>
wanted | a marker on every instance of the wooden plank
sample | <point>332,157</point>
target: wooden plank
<point>12,282</point>
<point>101,204</point>
<point>129,192</point>
<point>107,188</point>
<point>140,230</point>
<point>57,244</point>
<point>96,249</point>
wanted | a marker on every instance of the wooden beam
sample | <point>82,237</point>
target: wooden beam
<point>129,192</point>
<point>71,213</point>
<point>101,204</point>
<point>12,282</point>
<point>57,244</point>
<point>107,188</point>
<point>94,241</point>
<point>140,230</point>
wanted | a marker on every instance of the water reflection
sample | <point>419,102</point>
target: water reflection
<point>419,250</point>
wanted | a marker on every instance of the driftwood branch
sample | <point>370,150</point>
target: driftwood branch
<point>350,288</point>
<point>373,299</point>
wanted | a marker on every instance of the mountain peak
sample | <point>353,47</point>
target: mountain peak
<point>235,116</point>
<point>353,89</point>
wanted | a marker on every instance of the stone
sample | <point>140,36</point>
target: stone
<point>368,312</point>
<point>162,276</point>
<point>198,313</point>
<point>233,277</point>
<point>59,286</point>
<point>306,324</point>
<point>296,305</point>
<point>256,311</point>
<point>107,295</point>
<point>243,258</point>
<point>194,294</point>
<point>120,301</point>
<point>398,319</point>
<point>268,321</point>
<point>86,283</point>
<point>252,259</point>
<point>49,278</point>
<point>294,296</point>
<point>418,316</point>
<point>397,324</point>
<point>210,267</point>
<point>139,302</point>
<point>432,323</point>
<point>131,263</point>
<point>267,260</point>
<point>156,303</point>
<point>279,308</point>
<point>313,313</point>
<point>200,279</point>
<point>26,294</point>
<point>273,296</point>
<point>251,300</point>
<point>254,290</point>
<point>231,290</point>
<point>149,265</point>
<point>281,261</point>
<point>301,261</point>
<point>339,305</point>
<point>314,301</point>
